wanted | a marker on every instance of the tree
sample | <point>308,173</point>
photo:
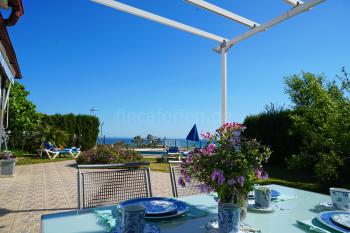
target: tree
<point>138,140</point>
<point>23,118</point>
<point>322,116</point>
<point>153,141</point>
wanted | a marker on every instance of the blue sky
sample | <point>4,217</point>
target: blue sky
<point>149,78</point>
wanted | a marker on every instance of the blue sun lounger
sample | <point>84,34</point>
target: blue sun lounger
<point>52,152</point>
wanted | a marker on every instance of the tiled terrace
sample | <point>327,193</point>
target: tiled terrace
<point>46,188</point>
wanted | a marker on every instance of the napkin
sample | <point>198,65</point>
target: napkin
<point>213,227</point>
<point>106,219</point>
<point>312,225</point>
<point>284,197</point>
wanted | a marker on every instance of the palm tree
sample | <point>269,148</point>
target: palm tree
<point>138,140</point>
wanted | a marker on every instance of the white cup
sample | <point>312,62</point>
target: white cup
<point>340,198</point>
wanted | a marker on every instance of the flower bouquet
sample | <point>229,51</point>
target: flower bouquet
<point>228,165</point>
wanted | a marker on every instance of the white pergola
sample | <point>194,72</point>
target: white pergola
<point>224,44</point>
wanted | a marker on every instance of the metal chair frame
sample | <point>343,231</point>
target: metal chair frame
<point>191,188</point>
<point>110,171</point>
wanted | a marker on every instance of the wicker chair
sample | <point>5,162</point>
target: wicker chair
<point>109,184</point>
<point>179,191</point>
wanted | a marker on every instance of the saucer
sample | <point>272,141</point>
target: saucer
<point>255,208</point>
<point>327,205</point>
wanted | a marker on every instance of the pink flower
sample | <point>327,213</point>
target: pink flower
<point>206,135</point>
<point>211,148</point>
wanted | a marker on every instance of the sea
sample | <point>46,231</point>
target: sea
<point>182,143</point>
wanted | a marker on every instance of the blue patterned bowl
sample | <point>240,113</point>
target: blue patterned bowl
<point>340,198</point>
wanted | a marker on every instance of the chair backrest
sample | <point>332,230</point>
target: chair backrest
<point>191,188</point>
<point>107,184</point>
<point>173,149</point>
<point>49,146</point>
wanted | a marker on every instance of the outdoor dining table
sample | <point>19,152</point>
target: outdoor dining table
<point>282,220</point>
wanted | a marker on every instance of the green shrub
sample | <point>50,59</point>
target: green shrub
<point>273,128</point>
<point>108,154</point>
<point>321,116</point>
<point>76,130</point>
<point>328,169</point>
<point>301,162</point>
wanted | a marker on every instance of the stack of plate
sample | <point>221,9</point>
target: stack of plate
<point>159,207</point>
<point>337,220</point>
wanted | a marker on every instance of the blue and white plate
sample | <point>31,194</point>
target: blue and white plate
<point>342,219</point>
<point>274,194</point>
<point>326,219</point>
<point>149,228</point>
<point>159,207</point>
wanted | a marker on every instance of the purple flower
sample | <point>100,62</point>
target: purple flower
<point>258,173</point>
<point>183,171</point>
<point>188,179</point>
<point>231,182</point>
<point>261,174</point>
<point>218,177</point>
<point>205,188</point>
<point>264,175</point>
<point>189,158</point>
<point>240,180</point>
<point>181,182</point>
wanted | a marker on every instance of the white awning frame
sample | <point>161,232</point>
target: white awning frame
<point>223,12</point>
<point>225,44</point>
<point>159,19</point>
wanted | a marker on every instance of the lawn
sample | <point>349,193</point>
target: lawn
<point>29,160</point>
<point>156,165</point>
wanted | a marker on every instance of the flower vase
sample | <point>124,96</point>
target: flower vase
<point>228,218</point>
<point>241,201</point>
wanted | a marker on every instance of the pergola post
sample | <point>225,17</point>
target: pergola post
<point>223,83</point>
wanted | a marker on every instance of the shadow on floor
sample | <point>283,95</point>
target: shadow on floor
<point>3,212</point>
<point>73,164</point>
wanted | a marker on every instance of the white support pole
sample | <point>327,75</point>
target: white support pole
<point>224,85</point>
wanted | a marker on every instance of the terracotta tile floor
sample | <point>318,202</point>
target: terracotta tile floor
<point>47,188</point>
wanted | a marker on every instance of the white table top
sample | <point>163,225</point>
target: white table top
<point>283,220</point>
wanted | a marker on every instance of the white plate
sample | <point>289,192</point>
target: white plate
<point>325,219</point>
<point>342,219</point>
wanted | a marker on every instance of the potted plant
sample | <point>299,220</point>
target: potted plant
<point>229,165</point>
<point>7,164</point>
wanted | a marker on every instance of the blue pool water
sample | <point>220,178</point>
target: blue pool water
<point>168,142</point>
